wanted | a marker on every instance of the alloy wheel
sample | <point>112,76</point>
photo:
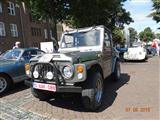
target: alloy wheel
<point>3,84</point>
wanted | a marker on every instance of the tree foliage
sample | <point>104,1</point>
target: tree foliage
<point>118,36</point>
<point>81,13</point>
<point>158,36</point>
<point>156,13</point>
<point>95,12</point>
<point>133,34</point>
<point>146,35</point>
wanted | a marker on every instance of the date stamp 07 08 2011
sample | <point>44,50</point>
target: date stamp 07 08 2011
<point>138,109</point>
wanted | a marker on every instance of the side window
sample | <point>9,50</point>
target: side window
<point>107,42</point>
<point>27,55</point>
<point>39,52</point>
<point>33,52</point>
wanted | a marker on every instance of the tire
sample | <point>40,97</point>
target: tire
<point>117,72</point>
<point>92,94</point>
<point>41,95</point>
<point>5,84</point>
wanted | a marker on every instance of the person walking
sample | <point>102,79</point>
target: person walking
<point>17,45</point>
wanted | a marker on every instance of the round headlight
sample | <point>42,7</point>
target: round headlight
<point>49,75</point>
<point>67,72</point>
<point>35,74</point>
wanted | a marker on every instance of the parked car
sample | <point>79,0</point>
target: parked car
<point>136,53</point>
<point>12,66</point>
<point>86,57</point>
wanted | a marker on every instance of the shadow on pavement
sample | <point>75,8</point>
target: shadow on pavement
<point>74,102</point>
<point>16,88</point>
<point>136,61</point>
<point>110,90</point>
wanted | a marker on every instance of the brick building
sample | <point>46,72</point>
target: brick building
<point>16,24</point>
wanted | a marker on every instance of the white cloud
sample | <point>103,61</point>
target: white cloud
<point>140,17</point>
<point>140,1</point>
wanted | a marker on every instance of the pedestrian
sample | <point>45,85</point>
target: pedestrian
<point>17,45</point>
<point>154,46</point>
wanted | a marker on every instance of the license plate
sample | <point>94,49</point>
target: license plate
<point>43,86</point>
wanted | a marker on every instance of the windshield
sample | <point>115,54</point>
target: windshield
<point>138,44</point>
<point>12,54</point>
<point>81,39</point>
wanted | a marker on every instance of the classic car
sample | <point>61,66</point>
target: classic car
<point>136,52</point>
<point>12,66</point>
<point>86,58</point>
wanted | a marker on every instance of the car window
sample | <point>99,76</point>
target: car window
<point>27,55</point>
<point>107,42</point>
<point>12,54</point>
<point>33,52</point>
<point>81,39</point>
<point>39,52</point>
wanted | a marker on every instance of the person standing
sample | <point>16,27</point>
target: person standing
<point>154,48</point>
<point>17,45</point>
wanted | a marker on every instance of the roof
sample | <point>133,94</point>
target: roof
<point>84,29</point>
<point>28,48</point>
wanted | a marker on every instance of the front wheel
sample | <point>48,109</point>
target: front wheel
<point>5,84</point>
<point>92,95</point>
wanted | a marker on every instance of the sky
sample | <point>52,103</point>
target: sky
<point>139,10</point>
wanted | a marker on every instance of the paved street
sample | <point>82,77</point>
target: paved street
<point>136,96</point>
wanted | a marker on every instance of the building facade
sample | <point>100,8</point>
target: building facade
<point>16,24</point>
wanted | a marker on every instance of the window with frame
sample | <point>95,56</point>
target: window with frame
<point>1,7</point>
<point>2,29</point>
<point>45,34</point>
<point>14,30</point>
<point>36,31</point>
<point>51,34</point>
<point>107,41</point>
<point>11,8</point>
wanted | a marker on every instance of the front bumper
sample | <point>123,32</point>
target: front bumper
<point>60,89</point>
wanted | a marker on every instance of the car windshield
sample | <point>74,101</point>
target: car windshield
<point>137,44</point>
<point>11,54</point>
<point>81,39</point>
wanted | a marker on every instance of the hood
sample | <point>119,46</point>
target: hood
<point>78,57</point>
<point>74,57</point>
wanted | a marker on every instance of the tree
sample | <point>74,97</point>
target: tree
<point>147,35</point>
<point>118,36</point>
<point>158,35</point>
<point>156,13</point>
<point>133,34</point>
<point>81,13</point>
<point>54,10</point>
<point>110,13</point>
